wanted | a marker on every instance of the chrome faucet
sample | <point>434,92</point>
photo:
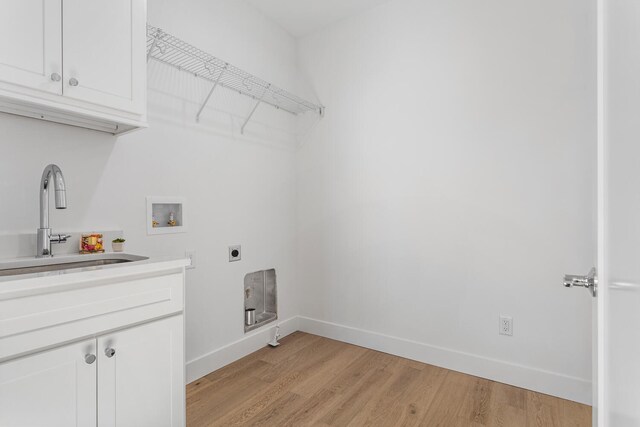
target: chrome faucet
<point>52,173</point>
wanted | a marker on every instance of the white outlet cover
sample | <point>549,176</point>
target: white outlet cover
<point>505,326</point>
<point>192,256</point>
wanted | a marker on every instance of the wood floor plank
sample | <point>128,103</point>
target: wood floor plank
<point>475,406</point>
<point>253,368</point>
<point>314,407</point>
<point>230,381</point>
<point>314,381</point>
<point>508,416</point>
<point>413,364</point>
<point>377,409</point>
<point>352,375</point>
<point>445,409</point>
<point>301,359</point>
<point>342,413</point>
<point>543,410</point>
<point>504,394</point>
<point>575,414</point>
<point>277,411</point>
<point>357,369</point>
<point>205,408</point>
<point>412,407</point>
<point>507,406</point>
<point>194,389</point>
<point>329,371</point>
<point>283,377</point>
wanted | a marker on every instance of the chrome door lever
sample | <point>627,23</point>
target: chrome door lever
<point>590,281</point>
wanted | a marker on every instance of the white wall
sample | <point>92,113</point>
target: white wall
<point>453,180</point>
<point>239,190</point>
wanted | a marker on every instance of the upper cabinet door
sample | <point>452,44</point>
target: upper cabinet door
<point>141,372</point>
<point>104,52</point>
<point>52,388</point>
<point>31,44</point>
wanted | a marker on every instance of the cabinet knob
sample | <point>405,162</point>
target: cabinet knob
<point>73,81</point>
<point>110,352</point>
<point>56,77</point>
<point>89,358</point>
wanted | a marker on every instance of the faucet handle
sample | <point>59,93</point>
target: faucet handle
<point>60,238</point>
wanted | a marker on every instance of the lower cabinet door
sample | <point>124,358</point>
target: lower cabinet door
<point>52,388</point>
<point>141,376</point>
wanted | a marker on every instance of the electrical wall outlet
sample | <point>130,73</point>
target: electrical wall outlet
<point>506,325</point>
<point>192,256</point>
<point>235,253</point>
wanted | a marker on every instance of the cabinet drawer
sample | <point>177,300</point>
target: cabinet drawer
<point>38,321</point>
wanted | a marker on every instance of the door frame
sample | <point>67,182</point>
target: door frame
<point>599,356</point>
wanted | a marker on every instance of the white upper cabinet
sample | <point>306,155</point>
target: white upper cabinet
<point>79,62</point>
<point>104,52</point>
<point>31,44</point>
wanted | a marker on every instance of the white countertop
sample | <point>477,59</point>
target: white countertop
<point>43,282</point>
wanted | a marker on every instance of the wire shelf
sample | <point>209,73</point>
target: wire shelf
<point>168,49</point>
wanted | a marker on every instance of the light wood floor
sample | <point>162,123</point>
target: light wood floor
<point>310,380</point>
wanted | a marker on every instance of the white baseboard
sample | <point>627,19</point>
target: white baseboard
<point>254,341</point>
<point>552,383</point>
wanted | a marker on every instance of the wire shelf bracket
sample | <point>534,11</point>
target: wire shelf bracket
<point>170,50</point>
<point>253,111</point>
<point>206,100</point>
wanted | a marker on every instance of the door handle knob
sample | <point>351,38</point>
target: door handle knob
<point>590,281</point>
<point>110,352</point>
<point>56,77</point>
<point>73,81</point>
<point>89,358</point>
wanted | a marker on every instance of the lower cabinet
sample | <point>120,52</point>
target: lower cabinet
<point>141,376</point>
<point>132,377</point>
<point>53,388</point>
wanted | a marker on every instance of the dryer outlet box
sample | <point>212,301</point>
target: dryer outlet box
<point>235,253</point>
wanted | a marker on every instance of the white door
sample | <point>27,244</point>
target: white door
<point>31,44</point>
<point>141,376</point>
<point>104,52</point>
<point>619,246</point>
<point>616,379</point>
<point>52,388</point>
